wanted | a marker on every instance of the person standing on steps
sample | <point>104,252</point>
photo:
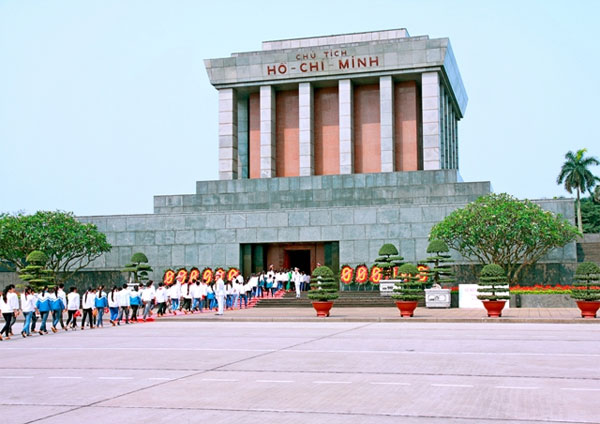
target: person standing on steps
<point>297,277</point>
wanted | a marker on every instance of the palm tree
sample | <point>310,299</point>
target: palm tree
<point>576,175</point>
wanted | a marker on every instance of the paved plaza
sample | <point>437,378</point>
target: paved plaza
<point>305,372</point>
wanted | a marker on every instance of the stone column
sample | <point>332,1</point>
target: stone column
<point>306,132</point>
<point>228,134</point>
<point>267,132</point>
<point>346,123</point>
<point>243,138</point>
<point>386,108</point>
<point>430,86</point>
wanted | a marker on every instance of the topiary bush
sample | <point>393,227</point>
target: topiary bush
<point>587,282</point>
<point>388,259</point>
<point>323,285</point>
<point>138,268</point>
<point>441,272</point>
<point>493,283</point>
<point>408,287</point>
<point>35,273</point>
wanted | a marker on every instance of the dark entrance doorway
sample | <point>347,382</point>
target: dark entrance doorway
<point>257,257</point>
<point>297,258</point>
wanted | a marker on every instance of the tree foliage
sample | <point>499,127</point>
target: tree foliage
<point>70,245</point>
<point>323,285</point>
<point>590,215</point>
<point>576,175</point>
<point>500,229</point>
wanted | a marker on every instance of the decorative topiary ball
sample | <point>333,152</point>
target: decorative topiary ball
<point>323,285</point>
<point>388,249</point>
<point>587,268</point>
<point>437,246</point>
<point>408,269</point>
<point>139,257</point>
<point>37,257</point>
<point>492,270</point>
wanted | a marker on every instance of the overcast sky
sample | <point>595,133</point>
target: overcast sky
<point>105,103</point>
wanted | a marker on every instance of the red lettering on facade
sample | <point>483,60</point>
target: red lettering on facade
<point>343,64</point>
<point>271,70</point>
<point>282,69</point>
<point>374,61</point>
<point>362,62</point>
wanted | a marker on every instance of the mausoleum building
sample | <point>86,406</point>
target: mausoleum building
<point>329,147</point>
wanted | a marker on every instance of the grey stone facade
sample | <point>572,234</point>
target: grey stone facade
<point>361,212</point>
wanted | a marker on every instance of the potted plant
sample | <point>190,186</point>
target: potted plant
<point>408,290</point>
<point>438,296</point>
<point>493,289</point>
<point>586,289</point>
<point>323,290</point>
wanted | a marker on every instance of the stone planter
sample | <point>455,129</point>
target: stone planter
<point>542,301</point>
<point>437,298</point>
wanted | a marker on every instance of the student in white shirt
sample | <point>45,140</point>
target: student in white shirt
<point>161,299</point>
<point>113,304</point>
<point>148,299</point>
<point>187,298</point>
<point>7,311</point>
<point>28,301</point>
<point>73,305</point>
<point>197,292</point>
<point>13,299</point>
<point>63,296</point>
<point>297,277</point>
<point>124,303</point>
<point>88,303</point>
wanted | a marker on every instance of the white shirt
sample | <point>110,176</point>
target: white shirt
<point>88,300</point>
<point>28,302</point>
<point>5,307</point>
<point>196,291</point>
<point>73,301</point>
<point>124,298</point>
<point>185,291</point>
<point>147,294</point>
<point>13,300</point>
<point>220,288</point>
<point>161,295</point>
<point>113,299</point>
<point>62,295</point>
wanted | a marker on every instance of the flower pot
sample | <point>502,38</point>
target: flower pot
<point>322,308</point>
<point>588,308</point>
<point>407,307</point>
<point>494,307</point>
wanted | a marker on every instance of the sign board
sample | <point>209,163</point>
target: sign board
<point>467,297</point>
<point>386,288</point>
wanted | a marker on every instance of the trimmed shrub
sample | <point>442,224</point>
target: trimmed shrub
<point>323,285</point>
<point>441,271</point>
<point>493,284</point>
<point>408,287</point>
<point>587,282</point>
<point>388,259</point>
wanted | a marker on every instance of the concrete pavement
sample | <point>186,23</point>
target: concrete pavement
<point>391,314</point>
<point>305,372</point>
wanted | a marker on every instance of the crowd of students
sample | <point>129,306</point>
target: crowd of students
<point>133,303</point>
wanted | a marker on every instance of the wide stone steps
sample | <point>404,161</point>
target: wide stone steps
<point>346,300</point>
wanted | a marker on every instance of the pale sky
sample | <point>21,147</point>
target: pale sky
<point>105,103</point>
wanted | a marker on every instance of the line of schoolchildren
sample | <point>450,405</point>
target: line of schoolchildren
<point>124,303</point>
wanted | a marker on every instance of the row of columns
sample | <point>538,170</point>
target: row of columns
<point>440,147</point>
